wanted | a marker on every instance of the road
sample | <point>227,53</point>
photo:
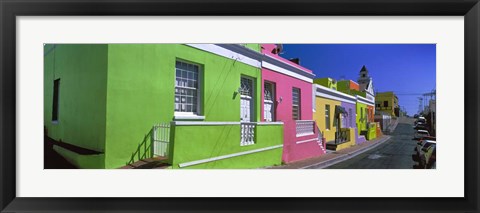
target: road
<point>393,154</point>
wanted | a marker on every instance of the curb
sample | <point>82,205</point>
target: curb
<point>345,157</point>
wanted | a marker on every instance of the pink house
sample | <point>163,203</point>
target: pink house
<point>287,97</point>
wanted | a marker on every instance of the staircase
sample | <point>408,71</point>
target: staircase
<point>320,140</point>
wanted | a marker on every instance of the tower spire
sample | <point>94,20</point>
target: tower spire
<point>364,69</point>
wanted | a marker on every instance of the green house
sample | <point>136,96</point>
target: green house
<point>192,105</point>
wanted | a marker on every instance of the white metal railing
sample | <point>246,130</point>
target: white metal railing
<point>161,139</point>
<point>247,133</point>
<point>305,127</point>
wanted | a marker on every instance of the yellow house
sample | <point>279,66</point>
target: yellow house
<point>387,102</point>
<point>324,114</point>
<point>334,114</point>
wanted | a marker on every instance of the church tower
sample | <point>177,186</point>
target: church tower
<point>365,83</point>
<point>364,78</point>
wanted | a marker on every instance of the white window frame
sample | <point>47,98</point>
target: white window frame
<point>253,112</point>
<point>190,115</point>
<point>274,104</point>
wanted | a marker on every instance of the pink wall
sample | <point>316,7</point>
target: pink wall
<point>283,112</point>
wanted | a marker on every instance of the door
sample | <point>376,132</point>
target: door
<point>269,102</point>
<point>246,100</point>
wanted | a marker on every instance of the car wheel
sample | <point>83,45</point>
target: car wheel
<point>422,164</point>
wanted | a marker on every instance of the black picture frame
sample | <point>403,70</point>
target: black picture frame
<point>10,9</point>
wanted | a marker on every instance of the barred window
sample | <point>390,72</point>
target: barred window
<point>246,87</point>
<point>186,87</point>
<point>296,103</point>
<point>268,91</point>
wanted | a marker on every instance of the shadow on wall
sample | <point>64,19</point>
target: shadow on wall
<point>219,86</point>
<point>144,149</point>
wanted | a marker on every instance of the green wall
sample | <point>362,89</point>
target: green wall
<point>141,80</point>
<point>255,47</point>
<point>343,86</point>
<point>82,70</point>
<point>95,161</point>
<point>194,143</point>
<point>326,82</point>
<point>361,121</point>
<point>372,131</point>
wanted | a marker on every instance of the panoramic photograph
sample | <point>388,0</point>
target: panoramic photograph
<point>239,106</point>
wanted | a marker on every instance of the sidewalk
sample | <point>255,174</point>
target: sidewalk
<point>332,158</point>
<point>393,126</point>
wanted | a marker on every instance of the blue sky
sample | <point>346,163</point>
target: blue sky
<point>406,69</point>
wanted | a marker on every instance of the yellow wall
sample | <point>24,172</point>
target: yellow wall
<point>319,116</point>
<point>380,98</point>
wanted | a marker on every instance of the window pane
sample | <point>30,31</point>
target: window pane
<point>186,87</point>
<point>296,103</point>
<point>246,86</point>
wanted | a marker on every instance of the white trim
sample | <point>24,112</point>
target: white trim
<point>304,134</point>
<point>220,123</point>
<point>301,74</point>
<point>364,101</point>
<point>286,72</point>
<point>291,65</point>
<point>202,123</point>
<point>305,141</point>
<point>245,96</point>
<point>345,96</point>
<point>188,117</point>
<point>269,123</point>
<point>319,94</point>
<point>191,163</point>
<point>215,49</point>
<point>268,58</point>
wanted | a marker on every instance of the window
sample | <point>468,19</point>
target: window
<point>385,103</point>
<point>186,88</point>
<point>268,108</point>
<point>327,116</point>
<point>246,86</point>
<point>56,88</point>
<point>361,113</point>
<point>296,103</point>
<point>378,105</point>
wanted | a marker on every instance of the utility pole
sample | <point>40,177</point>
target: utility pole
<point>420,105</point>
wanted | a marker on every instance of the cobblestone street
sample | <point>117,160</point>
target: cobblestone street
<point>393,154</point>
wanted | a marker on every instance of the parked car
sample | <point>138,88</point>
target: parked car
<point>420,120</point>
<point>419,134</point>
<point>421,126</point>
<point>427,156</point>
<point>421,145</point>
<point>432,138</point>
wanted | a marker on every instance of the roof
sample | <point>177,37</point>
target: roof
<point>364,69</point>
